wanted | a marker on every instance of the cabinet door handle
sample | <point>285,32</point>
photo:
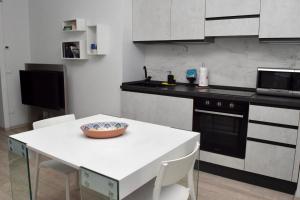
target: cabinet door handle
<point>219,113</point>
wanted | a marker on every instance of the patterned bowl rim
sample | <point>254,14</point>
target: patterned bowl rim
<point>84,126</point>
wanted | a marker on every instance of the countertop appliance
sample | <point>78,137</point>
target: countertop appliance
<point>278,82</point>
<point>222,124</point>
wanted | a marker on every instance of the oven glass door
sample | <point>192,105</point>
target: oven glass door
<point>296,81</point>
<point>221,133</point>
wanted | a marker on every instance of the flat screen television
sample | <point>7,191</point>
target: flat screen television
<point>43,89</point>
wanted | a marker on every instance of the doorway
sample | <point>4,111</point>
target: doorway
<point>3,109</point>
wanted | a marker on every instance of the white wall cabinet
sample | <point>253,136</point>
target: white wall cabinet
<point>164,110</point>
<point>270,160</point>
<point>280,19</point>
<point>151,20</point>
<point>163,20</point>
<point>187,19</point>
<point>159,20</point>
<point>223,8</point>
<point>232,27</point>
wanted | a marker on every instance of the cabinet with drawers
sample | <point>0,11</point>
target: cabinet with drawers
<point>232,18</point>
<point>270,160</point>
<point>272,142</point>
<point>274,115</point>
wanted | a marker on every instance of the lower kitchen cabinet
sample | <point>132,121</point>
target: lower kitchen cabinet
<point>274,115</point>
<point>164,110</point>
<point>223,160</point>
<point>273,133</point>
<point>270,160</point>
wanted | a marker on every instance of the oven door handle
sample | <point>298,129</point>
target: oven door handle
<point>219,113</point>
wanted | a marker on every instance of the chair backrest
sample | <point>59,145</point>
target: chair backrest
<point>173,171</point>
<point>52,121</point>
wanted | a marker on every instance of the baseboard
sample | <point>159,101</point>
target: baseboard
<point>248,177</point>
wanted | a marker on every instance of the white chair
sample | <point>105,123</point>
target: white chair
<point>52,164</point>
<point>170,173</point>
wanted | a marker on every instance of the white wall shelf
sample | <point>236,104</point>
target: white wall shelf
<point>74,50</point>
<point>97,39</point>
<point>74,25</point>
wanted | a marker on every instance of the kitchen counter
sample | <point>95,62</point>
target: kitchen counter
<point>269,137</point>
<point>284,102</point>
<point>217,92</point>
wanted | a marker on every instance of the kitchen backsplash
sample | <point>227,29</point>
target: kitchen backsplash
<point>231,61</point>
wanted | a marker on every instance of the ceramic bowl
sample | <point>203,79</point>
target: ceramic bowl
<point>104,129</point>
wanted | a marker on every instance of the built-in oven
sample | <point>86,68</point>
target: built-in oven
<point>296,83</point>
<point>222,124</point>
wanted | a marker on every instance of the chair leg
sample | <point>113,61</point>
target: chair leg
<point>67,187</point>
<point>191,184</point>
<point>36,175</point>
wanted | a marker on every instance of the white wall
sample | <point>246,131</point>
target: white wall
<point>133,54</point>
<point>16,36</point>
<point>94,85</point>
<point>1,66</point>
<point>231,61</point>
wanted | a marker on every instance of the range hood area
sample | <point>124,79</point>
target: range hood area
<point>295,41</point>
<point>206,40</point>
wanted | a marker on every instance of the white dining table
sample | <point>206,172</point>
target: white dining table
<point>112,167</point>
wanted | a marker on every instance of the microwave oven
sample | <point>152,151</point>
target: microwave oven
<point>278,82</point>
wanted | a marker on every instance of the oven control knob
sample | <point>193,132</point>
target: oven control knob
<point>231,105</point>
<point>207,102</point>
<point>219,103</point>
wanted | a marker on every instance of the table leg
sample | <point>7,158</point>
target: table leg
<point>19,170</point>
<point>94,186</point>
<point>36,176</point>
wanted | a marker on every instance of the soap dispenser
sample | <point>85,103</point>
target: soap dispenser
<point>171,79</point>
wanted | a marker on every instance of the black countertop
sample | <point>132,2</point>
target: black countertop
<point>283,102</point>
<point>217,92</point>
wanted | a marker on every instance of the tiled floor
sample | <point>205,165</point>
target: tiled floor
<point>210,187</point>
